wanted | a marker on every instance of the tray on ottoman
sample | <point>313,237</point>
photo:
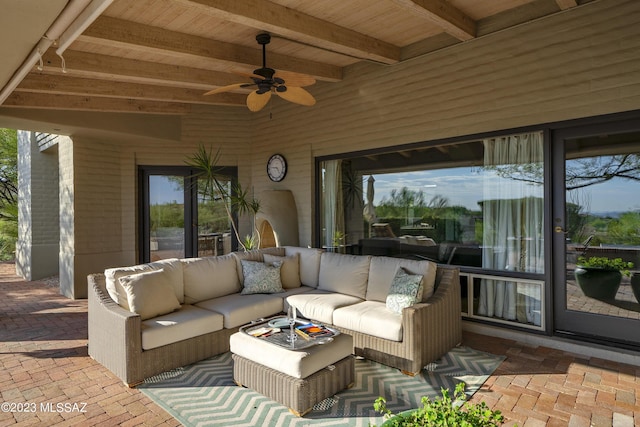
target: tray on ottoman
<point>298,394</point>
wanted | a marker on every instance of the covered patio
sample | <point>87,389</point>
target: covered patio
<point>43,356</point>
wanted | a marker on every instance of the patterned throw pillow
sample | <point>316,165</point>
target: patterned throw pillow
<point>261,277</point>
<point>404,291</point>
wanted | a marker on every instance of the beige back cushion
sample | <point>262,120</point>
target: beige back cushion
<point>309,263</point>
<point>290,270</point>
<point>383,270</point>
<point>150,294</point>
<point>172,268</point>
<point>345,274</point>
<point>210,277</point>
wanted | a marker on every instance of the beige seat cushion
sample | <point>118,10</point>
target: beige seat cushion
<point>298,364</point>
<point>309,263</point>
<point>239,310</point>
<point>185,323</point>
<point>209,277</point>
<point>320,305</point>
<point>346,274</point>
<point>293,291</point>
<point>150,294</point>
<point>172,266</point>
<point>383,270</point>
<point>290,270</point>
<point>372,318</point>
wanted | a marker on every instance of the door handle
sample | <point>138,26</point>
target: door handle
<point>559,229</point>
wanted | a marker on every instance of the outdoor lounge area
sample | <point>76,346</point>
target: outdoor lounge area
<point>43,356</point>
<point>447,189</point>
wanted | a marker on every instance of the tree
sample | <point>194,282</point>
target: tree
<point>8,192</point>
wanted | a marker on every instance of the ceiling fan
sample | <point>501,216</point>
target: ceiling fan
<point>287,85</point>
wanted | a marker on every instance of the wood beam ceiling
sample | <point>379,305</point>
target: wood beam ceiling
<point>452,20</point>
<point>112,32</point>
<point>264,15</point>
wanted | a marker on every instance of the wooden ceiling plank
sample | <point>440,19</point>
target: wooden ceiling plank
<point>566,4</point>
<point>440,12</point>
<point>84,64</point>
<point>267,16</point>
<point>119,33</point>
<point>69,85</point>
<point>88,103</point>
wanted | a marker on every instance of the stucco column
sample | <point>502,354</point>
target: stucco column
<point>37,247</point>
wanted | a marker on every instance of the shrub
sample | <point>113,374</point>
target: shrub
<point>443,411</point>
<point>606,263</point>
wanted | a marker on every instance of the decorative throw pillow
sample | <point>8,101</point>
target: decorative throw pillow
<point>290,272</point>
<point>150,294</point>
<point>405,291</point>
<point>261,277</point>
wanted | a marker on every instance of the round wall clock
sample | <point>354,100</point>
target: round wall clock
<point>277,167</point>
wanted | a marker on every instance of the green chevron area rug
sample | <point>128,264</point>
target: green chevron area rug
<point>204,394</point>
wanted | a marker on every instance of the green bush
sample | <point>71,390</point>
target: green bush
<point>606,263</point>
<point>443,411</point>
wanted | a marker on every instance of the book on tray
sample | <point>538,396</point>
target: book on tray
<point>312,330</point>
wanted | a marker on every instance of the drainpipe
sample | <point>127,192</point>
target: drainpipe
<point>74,19</point>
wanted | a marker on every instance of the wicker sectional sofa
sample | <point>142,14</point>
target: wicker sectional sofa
<point>151,318</point>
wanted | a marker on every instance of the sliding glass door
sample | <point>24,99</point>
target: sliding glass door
<point>176,221</point>
<point>597,215</point>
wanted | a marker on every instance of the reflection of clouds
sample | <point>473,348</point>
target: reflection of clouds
<point>464,187</point>
<point>461,186</point>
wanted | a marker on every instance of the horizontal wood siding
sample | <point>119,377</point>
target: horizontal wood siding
<point>580,63</point>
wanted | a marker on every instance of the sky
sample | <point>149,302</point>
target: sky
<point>467,186</point>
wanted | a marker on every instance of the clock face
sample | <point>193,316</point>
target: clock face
<point>277,167</point>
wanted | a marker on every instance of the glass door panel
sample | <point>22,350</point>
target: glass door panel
<point>214,228</point>
<point>601,221</point>
<point>167,217</point>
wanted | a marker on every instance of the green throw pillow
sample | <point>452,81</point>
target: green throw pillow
<point>405,291</point>
<point>261,277</point>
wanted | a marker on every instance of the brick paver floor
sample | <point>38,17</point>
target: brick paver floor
<point>47,378</point>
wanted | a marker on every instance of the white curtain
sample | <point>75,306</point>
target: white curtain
<point>332,205</point>
<point>513,221</point>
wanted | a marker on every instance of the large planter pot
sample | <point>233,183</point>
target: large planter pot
<point>598,283</point>
<point>635,285</point>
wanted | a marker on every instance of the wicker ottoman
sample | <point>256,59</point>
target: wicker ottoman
<point>297,379</point>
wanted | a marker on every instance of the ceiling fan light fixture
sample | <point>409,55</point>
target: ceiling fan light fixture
<point>269,80</point>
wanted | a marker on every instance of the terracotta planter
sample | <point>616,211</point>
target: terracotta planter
<point>598,283</point>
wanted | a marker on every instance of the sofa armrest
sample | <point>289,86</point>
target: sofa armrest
<point>115,337</point>
<point>434,327</point>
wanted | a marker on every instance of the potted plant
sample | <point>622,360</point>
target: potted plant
<point>443,411</point>
<point>600,277</point>
<point>635,284</point>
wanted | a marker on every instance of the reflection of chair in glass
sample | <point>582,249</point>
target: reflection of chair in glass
<point>382,229</point>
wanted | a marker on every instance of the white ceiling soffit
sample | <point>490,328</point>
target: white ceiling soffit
<point>22,25</point>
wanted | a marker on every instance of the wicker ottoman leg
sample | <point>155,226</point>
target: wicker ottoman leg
<point>298,394</point>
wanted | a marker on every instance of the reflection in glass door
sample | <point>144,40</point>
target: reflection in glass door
<point>601,210</point>
<point>167,217</point>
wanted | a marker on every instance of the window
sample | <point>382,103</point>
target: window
<point>477,204</point>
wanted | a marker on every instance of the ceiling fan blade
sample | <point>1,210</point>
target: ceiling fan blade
<point>256,101</point>
<point>248,75</point>
<point>297,95</point>
<point>225,88</point>
<point>295,79</point>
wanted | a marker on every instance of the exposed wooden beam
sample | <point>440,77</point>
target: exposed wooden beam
<point>84,64</point>
<point>268,16</point>
<point>451,19</point>
<point>89,103</point>
<point>566,4</point>
<point>69,85</point>
<point>112,32</point>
